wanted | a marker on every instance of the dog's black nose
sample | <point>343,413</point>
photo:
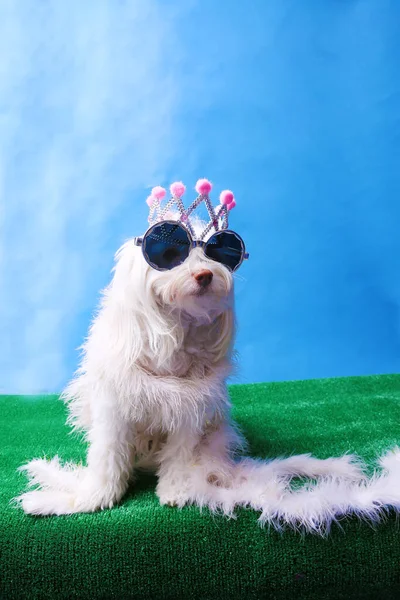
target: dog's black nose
<point>203,277</point>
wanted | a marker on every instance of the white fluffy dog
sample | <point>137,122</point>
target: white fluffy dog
<point>151,393</point>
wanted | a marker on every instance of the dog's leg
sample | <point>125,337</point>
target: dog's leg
<point>197,468</point>
<point>175,460</point>
<point>105,479</point>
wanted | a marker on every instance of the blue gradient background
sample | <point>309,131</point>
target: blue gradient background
<point>293,105</point>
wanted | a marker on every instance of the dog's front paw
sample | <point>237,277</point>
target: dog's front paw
<point>172,494</point>
<point>218,479</point>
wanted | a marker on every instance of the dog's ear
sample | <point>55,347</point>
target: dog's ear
<point>123,279</point>
<point>139,329</point>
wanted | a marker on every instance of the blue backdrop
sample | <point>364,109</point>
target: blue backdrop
<point>293,105</point>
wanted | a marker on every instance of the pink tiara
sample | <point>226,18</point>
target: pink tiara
<point>218,215</point>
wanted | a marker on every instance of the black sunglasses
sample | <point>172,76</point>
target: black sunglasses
<point>167,244</point>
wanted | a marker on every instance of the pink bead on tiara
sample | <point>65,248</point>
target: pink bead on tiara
<point>218,215</point>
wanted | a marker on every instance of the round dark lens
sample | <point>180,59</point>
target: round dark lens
<point>166,245</point>
<point>227,248</point>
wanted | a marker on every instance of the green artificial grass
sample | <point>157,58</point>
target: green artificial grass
<point>142,550</point>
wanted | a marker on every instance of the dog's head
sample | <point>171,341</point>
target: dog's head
<point>199,289</point>
<point>198,292</point>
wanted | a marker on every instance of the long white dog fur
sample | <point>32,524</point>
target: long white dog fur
<point>151,394</point>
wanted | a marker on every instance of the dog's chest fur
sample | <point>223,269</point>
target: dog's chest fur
<point>186,391</point>
<point>194,359</point>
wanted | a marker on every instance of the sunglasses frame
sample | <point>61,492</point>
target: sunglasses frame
<point>141,241</point>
